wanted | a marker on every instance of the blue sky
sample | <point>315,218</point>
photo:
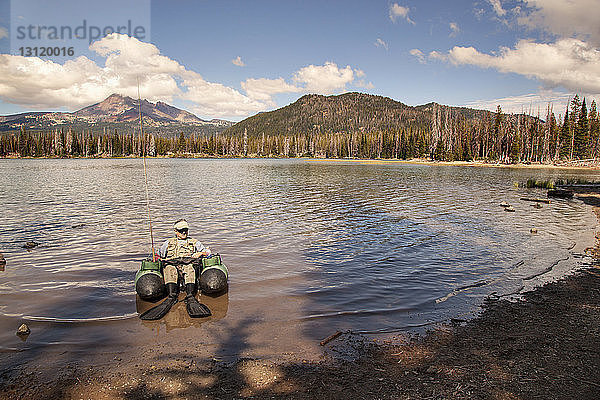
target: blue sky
<point>231,59</point>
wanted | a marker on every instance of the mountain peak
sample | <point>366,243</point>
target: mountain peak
<point>115,96</point>
<point>118,108</point>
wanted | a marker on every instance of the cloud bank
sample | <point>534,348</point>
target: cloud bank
<point>36,83</point>
<point>570,59</point>
<point>563,18</point>
<point>569,63</point>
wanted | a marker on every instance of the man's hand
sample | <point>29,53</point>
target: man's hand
<point>199,254</point>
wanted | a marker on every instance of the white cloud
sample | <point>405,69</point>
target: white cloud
<point>528,103</point>
<point>238,61</point>
<point>3,32</point>
<point>497,6</point>
<point>32,82</point>
<point>380,43</point>
<point>37,83</point>
<point>454,29</point>
<point>569,58</point>
<point>564,18</point>
<point>419,55</point>
<point>364,84</point>
<point>436,55</point>
<point>324,79</point>
<point>263,89</point>
<point>570,63</point>
<point>216,99</point>
<point>397,11</point>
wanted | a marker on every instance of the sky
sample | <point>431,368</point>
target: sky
<point>232,59</point>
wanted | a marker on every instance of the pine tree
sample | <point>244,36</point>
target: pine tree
<point>497,133</point>
<point>575,108</point>
<point>582,130</point>
<point>565,136</point>
<point>594,130</point>
<point>181,144</point>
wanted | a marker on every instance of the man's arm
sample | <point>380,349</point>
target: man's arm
<point>201,250</point>
<point>162,251</point>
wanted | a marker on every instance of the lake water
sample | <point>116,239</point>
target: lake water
<point>312,247</point>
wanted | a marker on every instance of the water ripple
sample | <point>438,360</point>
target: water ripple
<point>332,244</point>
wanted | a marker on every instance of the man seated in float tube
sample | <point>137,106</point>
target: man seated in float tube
<point>174,248</point>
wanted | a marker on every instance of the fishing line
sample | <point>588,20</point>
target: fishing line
<point>145,170</point>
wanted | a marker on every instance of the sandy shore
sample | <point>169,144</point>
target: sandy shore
<point>420,161</point>
<point>546,346</point>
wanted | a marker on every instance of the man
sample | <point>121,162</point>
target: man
<point>172,251</point>
<point>181,246</point>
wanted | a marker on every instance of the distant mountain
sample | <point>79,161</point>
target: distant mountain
<point>116,111</point>
<point>348,112</point>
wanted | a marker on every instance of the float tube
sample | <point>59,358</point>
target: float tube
<point>149,282</point>
<point>212,276</point>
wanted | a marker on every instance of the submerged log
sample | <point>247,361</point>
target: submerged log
<point>560,193</point>
<point>536,200</point>
<point>30,245</point>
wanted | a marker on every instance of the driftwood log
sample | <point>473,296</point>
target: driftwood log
<point>330,338</point>
<point>536,200</point>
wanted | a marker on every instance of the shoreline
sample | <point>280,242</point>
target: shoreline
<point>459,163</point>
<point>375,161</point>
<point>543,346</point>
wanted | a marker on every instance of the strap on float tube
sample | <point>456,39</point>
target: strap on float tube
<point>145,170</point>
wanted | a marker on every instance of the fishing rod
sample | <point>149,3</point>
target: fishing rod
<point>145,170</point>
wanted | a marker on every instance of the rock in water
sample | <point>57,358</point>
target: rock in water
<point>2,262</point>
<point>30,245</point>
<point>536,205</point>
<point>23,330</point>
<point>533,230</point>
<point>504,204</point>
<point>509,209</point>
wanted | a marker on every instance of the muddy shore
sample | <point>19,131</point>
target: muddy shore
<point>545,346</point>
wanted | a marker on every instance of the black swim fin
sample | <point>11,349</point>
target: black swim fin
<point>163,308</point>
<point>195,308</point>
<point>159,311</point>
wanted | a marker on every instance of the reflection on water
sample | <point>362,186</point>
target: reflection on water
<point>178,316</point>
<point>312,246</point>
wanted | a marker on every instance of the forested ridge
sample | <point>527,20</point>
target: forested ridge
<point>352,125</point>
